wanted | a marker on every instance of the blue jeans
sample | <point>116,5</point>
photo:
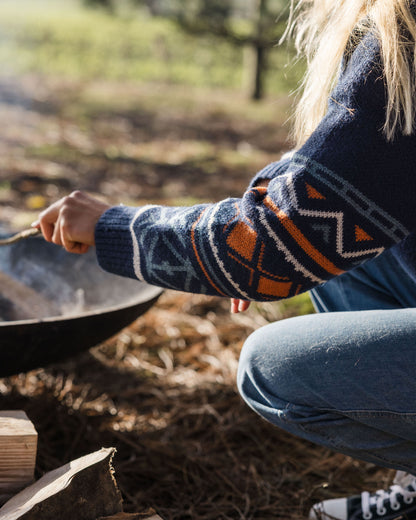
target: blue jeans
<point>344,378</point>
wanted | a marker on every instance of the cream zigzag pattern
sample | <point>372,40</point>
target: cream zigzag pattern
<point>339,216</point>
<point>357,200</point>
<point>209,250</point>
<point>336,215</point>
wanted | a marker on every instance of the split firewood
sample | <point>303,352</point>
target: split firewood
<point>18,443</point>
<point>84,489</point>
<point>20,302</point>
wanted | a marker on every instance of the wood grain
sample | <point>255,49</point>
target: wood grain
<point>18,445</point>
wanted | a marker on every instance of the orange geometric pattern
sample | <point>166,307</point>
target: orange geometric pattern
<point>306,227</point>
<point>273,288</point>
<point>361,235</point>
<point>313,193</point>
<point>250,269</point>
<point>302,241</point>
<point>262,270</point>
<point>242,239</point>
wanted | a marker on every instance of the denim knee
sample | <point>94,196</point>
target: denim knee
<point>288,369</point>
<point>343,380</point>
<point>249,380</point>
<point>269,374</point>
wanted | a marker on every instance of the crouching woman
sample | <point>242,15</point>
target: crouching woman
<point>337,218</point>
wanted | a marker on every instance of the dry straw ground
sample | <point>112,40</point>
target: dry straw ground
<point>162,391</point>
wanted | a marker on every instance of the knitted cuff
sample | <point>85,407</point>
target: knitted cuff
<point>113,241</point>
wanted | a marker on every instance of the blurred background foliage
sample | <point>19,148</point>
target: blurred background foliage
<point>211,43</point>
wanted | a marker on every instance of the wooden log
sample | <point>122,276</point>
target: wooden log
<point>20,302</point>
<point>18,444</point>
<point>84,489</point>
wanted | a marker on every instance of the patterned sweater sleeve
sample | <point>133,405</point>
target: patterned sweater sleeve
<point>343,198</point>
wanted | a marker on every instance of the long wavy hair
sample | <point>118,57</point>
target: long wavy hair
<point>324,30</point>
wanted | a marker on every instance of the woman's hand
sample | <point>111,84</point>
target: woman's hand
<point>239,305</point>
<point>70,222</point>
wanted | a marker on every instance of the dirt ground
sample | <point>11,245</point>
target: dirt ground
<point>163,390</point>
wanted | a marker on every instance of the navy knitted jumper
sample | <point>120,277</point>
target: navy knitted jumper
<point>341,199</point>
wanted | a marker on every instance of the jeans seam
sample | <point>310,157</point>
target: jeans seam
<point>371,414</point>
<point>366,413</point>
<point>335,445</point>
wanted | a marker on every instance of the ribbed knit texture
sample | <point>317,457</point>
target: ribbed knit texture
<point>343,198</point>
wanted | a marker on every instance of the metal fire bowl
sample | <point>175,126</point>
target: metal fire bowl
<point>96,304</point>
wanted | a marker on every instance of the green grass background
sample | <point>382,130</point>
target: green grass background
<point>60,37</point>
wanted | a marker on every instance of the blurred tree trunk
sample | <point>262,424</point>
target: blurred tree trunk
<point>255,68</point>
<point>258,62</point>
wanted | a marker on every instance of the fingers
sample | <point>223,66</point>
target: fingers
<point>70,222</point>
<point>243,305</point>
<point>234,305</point>
<point>57,232</point>
<point>47,220</point>
<point>239,305</point>
<point>76,247</point>
<point>70,245</point>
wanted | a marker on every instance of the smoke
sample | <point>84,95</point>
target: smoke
<point>74,284</point>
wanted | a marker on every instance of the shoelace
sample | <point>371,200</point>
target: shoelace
<point>405,485</point>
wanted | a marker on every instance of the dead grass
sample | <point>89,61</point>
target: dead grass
<point>163,392</point>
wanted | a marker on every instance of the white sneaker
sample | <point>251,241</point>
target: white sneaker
<point>396,503</point>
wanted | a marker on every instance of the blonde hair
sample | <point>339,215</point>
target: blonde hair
<point>325,29</point>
